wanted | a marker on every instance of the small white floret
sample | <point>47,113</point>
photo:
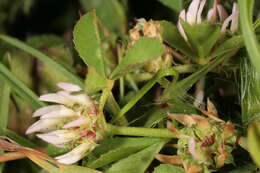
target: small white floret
<point>76,154</point>
<point>69,87</point>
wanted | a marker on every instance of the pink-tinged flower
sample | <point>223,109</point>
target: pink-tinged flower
<point>71,123</point>
<point>222,13</point>
<point>193,15</point>
<point>192,12</point>
<point>234,22</point>
<point>76,154</point>
<point>202,4</point>
<point>216,13</point>
<point>233,18</point>
<point>213,13</point>
<point>182,16</point>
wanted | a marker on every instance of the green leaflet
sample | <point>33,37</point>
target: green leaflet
<point>4,103</point>
<point>167,168</point>
<point>171,35</point>
<point>115,149</point>
<point>176,5</point>
<point>87,42</point>
<point>107,10</point>
<point>52,168</point>
<point>233,43</point>
<point>137,163</point>
<point>253,140</point>
<point>202,37</point>
<point>145,49</point>
<point>21,140</point>
<point>245,168</point>
<point>34,52</point>
<point>54,151</point>
<point>19,87</point>
<point>94,81</point>
<point>4,110</point>
<point>157,114</point>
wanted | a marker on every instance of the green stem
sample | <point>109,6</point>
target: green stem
<point>139,131</point>
<point>121,87</point>
<point>145,89</point>
<point>121,79</point>
<point>132,83</point>
<point>105,94</point>
<point>187,68</point>
<point>115,109</point>
<point>112,104</point>
<point>141,77</point>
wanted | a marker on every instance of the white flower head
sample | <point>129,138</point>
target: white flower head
<point>71,123</point>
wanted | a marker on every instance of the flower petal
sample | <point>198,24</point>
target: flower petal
<point>56,98</point>
<point>222,13</point>
<point>192,12</point>
<point>191,147</point>
<point>76,154</point>
<point>179,26</point>
<point>79,98</point>
<point>202,4</point>
<point>69,87</point>
<point>234,22</point>
<point>186,120</point>
<point>192,168</point>
<point>233,16</point>
<point>212,13</point>
<point>174,160</point>
<point>43,125</point>
<point>61,113</point>
<point>58,137</point>
<point>229,131</point>
<point>45,110</point>
<point>211,115</point>
<point>78,122</point>
<point>175,131</point>
<point>211,108</point>
<point>202,122</point>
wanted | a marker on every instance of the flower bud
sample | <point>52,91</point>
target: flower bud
<point>203,143</point>
<point>151,29</point>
